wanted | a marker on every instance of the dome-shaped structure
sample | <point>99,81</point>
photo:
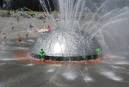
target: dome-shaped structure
<point>65,43</point>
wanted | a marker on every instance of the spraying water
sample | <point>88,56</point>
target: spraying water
<point>106,21</point>
<point>81,23</point>
<point>82,26</point>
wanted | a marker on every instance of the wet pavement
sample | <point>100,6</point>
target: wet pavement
<point>29,75</point>
<point>15,73</point>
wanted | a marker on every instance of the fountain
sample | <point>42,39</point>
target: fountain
<point>67,40</point>
<point>80,28</point>
<point>79,32</point>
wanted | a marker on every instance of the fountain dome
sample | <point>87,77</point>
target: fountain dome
<point>65,43</point>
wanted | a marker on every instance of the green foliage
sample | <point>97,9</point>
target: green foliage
<point>98,50</point>
<point>41,54</point>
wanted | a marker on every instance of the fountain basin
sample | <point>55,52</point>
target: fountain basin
<point>61,44</point>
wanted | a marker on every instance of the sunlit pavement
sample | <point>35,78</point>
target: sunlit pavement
<point>30,75</point>
<point>18,71</point>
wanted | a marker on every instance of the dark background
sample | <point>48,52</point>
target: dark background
<point>31,4</point>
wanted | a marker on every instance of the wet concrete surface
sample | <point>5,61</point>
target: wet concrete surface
<point>20,75</point>
<point>15,73</point>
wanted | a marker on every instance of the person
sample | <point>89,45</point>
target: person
<point>49,28</point>
<point>17,18</point>
<point>42,55</point>
<point>43,30</point>
<point>19,39</point>
<point>4,36</point>
<point>12,28</point>
<point>27,35</point>
<point>31,26</point>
